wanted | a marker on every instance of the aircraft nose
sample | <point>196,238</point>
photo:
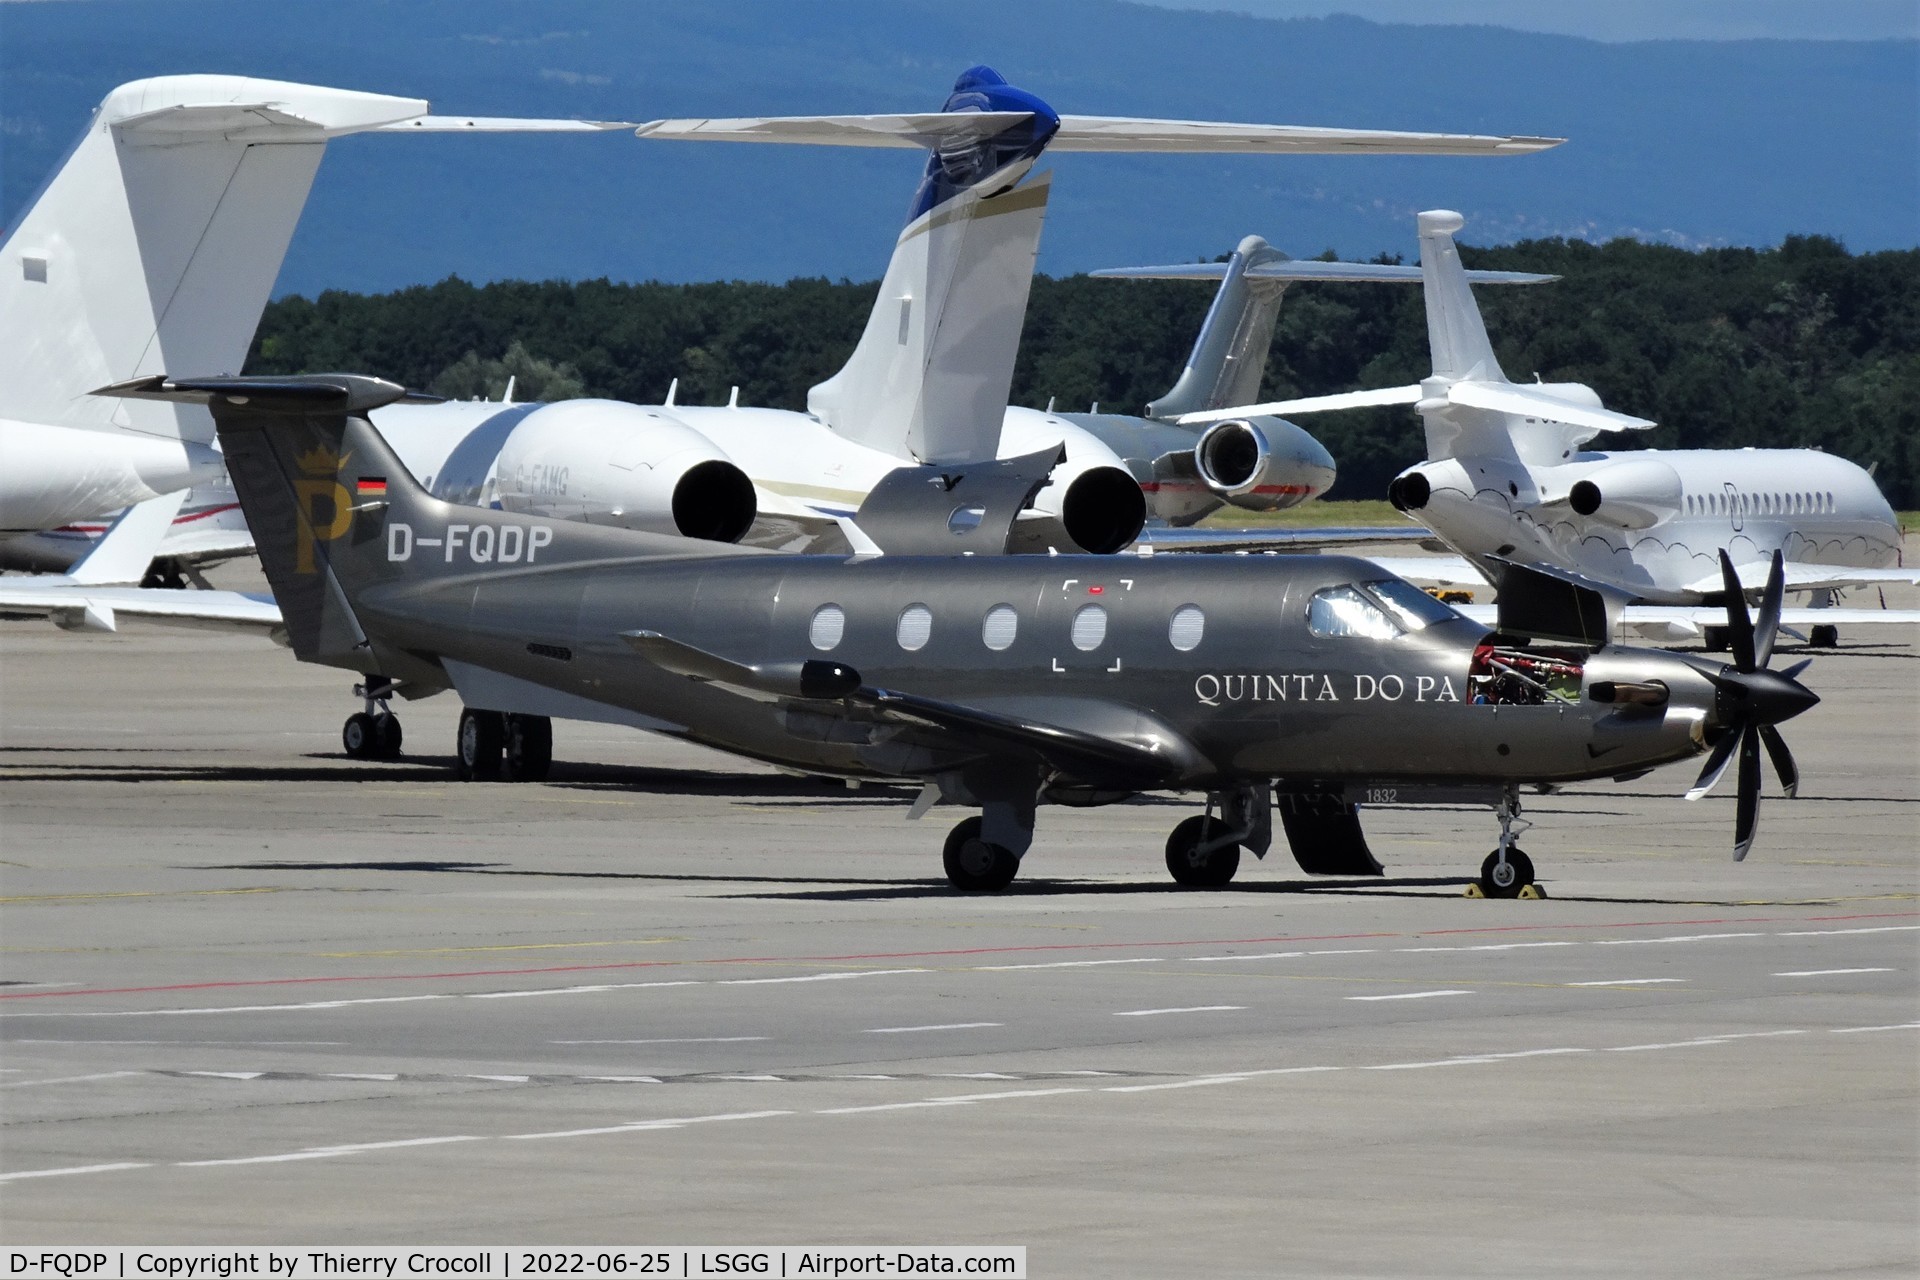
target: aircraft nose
<point>1761,697</point>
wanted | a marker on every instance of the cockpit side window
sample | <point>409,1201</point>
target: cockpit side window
<point>1409,606</point>
<point>1347,611</point>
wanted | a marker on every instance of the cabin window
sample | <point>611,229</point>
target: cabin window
<point>1344,611</point>
<point>915,627</point>
<point>1409,606</point>
<point>1186,627</point>
<point>828,625</point>
<point>1089,627</point>
<point>999,627</point>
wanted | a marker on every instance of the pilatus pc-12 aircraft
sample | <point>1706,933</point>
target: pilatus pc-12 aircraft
<point>996,681</point>
<point>1509,477</point>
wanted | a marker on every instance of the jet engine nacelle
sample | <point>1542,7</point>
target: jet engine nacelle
<point>1631,495</point>
<point>606,462</point>
<point>1091,497</point>
<point>1262,466</point>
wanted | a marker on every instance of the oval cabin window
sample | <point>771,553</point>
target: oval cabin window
<point>999,627</point>
<point>1186,627</point>
<point>828,625</point>
<point>1089,627</point>
<point>916,627</point>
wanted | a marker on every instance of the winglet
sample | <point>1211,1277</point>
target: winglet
<point>128,546</point>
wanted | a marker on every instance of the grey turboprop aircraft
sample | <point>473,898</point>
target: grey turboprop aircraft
<point>998,682</point>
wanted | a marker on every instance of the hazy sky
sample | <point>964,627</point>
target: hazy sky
<point>1618,19</point>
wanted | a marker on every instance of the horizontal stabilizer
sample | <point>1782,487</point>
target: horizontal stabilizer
<point>210,609</point>
<point>1309,404</point>
<point>500,124</point>
<point>1088,133</point>
<point>300,393</point>
<point>1801,576</point>
<point>1312,269</point>
<point>1507,397</point>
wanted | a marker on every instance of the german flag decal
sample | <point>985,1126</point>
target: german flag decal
<point>373,486</point>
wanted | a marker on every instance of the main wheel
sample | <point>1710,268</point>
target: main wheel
<point>1497,881</point>
<point>479,744</point>
<point>529,747</point>
<point>975,866</point>
<point>360,736</point>
<point>387,736</point>
<point>1194,869</point>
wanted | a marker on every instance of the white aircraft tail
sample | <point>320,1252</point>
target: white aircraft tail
<point>128,546</point>
<point>1455,331</point>
<point>156,243</point>
<point>1230,356</point>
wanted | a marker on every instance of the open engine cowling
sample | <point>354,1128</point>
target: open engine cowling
<point>606,462</point>
<point>1262,466</point>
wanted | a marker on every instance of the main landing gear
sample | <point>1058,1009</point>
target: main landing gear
<point>976,865</point>
<point>1204,851</point>
<point>491,743</point>
<point>1507,869</point>
<point>373,734</point>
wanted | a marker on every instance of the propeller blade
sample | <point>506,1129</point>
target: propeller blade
<point>1767,626</point>
<point>1782,760</point>
<point>1716,764</point>
<point>1739,623</point>
<point>1793,672</point>
<point>1746,814</point>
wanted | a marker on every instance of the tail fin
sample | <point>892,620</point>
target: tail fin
<point>157,241</point>
<point>128,546</point>
<point>1455,331</point>
<point>1230,356</point>
<point>932,372</point>
<point>337,516</point>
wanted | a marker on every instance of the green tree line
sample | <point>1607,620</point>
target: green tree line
<point>1805,345</point>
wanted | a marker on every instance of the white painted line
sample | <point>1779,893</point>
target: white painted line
<point>670,1040</point>
<point>884,1106</point>
<point>1490,946</point>
<point>973,1075</point>
<point>1706,1040</point>
<point>230,1075</point>
<point>82,1168</point>
<point>624,1079</point>
<point>1530,1053</point>
<point>1288,1071</point>
<point>502,1079</point>
<point>938,1026</point>
<point>1826,973</point>
<point>754,1079</point>
<point>354,1148</point>
<point>1198,1008</point>
<point>327,1153</point>
<point>98,1075</point>
<point>1264,955</point>
<point>1346,951</point>
<point>331,1075</point>
<point>1171,1084</point>
<point>815,977</point>
<point>1897,1026</point>
<point>1627,982</point>
<point>575,991</point>
<point>637,1126</point>
<point>1419,1066</point>
<point>1414,995</point>
<point>1012,1093</point>
<point>227,1008</point>
<point>1067,964</point>
<point>1828,933</point>
<point>1681,937</point>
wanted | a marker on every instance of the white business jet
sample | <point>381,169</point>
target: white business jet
<point>1508,480</point>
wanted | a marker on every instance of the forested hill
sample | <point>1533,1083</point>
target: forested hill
<point>1803,345</point>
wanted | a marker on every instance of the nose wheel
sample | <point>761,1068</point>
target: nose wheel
<point>975,865</point>
<point>1507,869</point>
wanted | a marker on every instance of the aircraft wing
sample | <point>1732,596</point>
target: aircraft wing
<point>1802,576</point>
<point>499,124</point>
<point>1307,404</point>
<point>1087,133</point>
<point>1440,571</point>
<point>1690,622</point>
<point>77,607</point>
<point>1219,541</point>
<point>1502,397</point>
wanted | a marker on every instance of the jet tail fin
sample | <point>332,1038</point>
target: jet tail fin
<point>1455,332</point>
<point>1230,356</point>
<point>129,544</point>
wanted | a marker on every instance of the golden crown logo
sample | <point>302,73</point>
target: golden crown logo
<point>322,461</point>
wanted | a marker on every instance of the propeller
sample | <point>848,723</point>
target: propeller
<point>1750,700</point>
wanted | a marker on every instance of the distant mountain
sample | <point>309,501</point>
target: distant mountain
<point>1690,143</point>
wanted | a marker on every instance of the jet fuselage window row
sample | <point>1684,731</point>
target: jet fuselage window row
<point>1001,626</point>
<point>1760,504</point>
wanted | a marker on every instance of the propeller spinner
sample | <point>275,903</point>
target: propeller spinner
<point>1751,701</point>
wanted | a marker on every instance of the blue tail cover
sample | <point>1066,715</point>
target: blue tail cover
<point>953,170</point>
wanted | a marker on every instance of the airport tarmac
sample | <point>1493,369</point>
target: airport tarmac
<point>257,992</point>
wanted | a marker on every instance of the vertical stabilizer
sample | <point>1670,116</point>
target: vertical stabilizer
<point>1230,356</point>
<point>1455,331</point>
<point>157,242</point>
<point>931,375</point>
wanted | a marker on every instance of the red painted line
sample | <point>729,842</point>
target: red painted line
<point>925,955</point>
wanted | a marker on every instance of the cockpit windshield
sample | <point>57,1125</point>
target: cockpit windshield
<point>1374,610</point>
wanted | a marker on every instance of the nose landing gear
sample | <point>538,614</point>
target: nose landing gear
<point>1507,869</point>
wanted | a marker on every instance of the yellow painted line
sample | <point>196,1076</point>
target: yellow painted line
<point>515,946</point>
<point>142,893</point>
